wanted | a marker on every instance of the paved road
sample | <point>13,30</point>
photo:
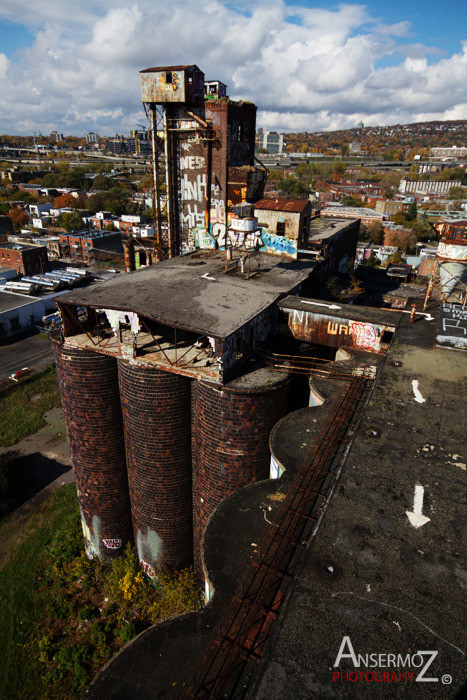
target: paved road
<point>33,351</point>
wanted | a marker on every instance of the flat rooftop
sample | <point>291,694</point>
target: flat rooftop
<point>21,247</point>
<point>322,229</point>
<point>355,211</point>
<point>11,300</point>
<point>194,292</point>
<point>368,314</point>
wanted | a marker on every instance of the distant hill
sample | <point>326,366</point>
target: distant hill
<point>396,142</point>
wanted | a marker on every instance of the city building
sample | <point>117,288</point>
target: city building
<point>271,141</point>
<point>366,216</point>
<point>453,152</point>
<point>389,207</point>
<point>427,187</point>
<point>285,217</point>
<point>92,137</point>
<point>25,259</point>
<point>82,246</point>
<point>20,313</point>
<point>138,143</point>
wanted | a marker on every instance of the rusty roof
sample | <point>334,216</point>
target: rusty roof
<point>165,68</point>
<point>292,205</point>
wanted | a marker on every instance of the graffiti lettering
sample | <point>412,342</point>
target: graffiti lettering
<point>364,336</point>
<point>256,240</point>
<point>455,310</point>
<point>193,217</point>
<point>451,323</point>
<point>194,189</point>
<point>298,316</point>
<point>147,568</point>
<point>192,162</point>
<point>115,543</point>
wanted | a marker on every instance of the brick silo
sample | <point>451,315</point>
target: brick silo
<point>231,429</point>
<point>156,416</point>
<point>88,384</point>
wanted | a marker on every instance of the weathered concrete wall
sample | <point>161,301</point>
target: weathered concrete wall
<point>270,218</point>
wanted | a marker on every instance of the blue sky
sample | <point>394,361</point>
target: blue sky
<point>307,65</point>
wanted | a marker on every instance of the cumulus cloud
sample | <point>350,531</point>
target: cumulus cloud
<point>306,68</point>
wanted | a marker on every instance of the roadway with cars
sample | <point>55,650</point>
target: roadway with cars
<point>34,352</point>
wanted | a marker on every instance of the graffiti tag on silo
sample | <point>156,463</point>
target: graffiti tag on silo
<point>193,188</point>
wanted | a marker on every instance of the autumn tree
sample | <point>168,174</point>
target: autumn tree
<point>456,192</point>
<point>375,232</point>
<point>405,242</point>
<point>19,218</point>
<point>65,200</point>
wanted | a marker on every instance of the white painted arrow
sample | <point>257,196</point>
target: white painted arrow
<point>206,277</point>
<point>416,518</point>
<point>428,317</point>
<point>317,303</point>
<point>418,394</point>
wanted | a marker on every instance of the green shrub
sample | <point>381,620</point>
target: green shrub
<point>125,631</point>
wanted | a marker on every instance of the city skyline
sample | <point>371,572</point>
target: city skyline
<point>307,65</point>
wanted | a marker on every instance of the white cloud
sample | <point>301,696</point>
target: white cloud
<point>306,68</point>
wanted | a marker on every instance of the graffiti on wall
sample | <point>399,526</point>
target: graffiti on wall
<point>219,236</point>
<point>114,543</point>
<point>240,343</point>
<point>452,326</point>
<point>336,332</point>
<point>364,335</point>
<point>193,187</point>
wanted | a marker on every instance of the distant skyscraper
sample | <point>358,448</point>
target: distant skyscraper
<point>271,141</point>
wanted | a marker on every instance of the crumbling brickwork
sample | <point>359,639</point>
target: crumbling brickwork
<point>156,414</point>
<point>230,443</point>
<point>90,398</point>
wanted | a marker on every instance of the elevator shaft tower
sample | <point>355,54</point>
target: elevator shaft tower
<point>173,98</point>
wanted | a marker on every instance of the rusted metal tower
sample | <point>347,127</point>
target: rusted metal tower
<point>173,98</point>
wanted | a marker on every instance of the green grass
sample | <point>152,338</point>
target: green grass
<point>19,416</point>
<point>63,617</point>
<point>22,600</point>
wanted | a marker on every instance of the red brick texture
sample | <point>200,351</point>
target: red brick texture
<point>230,444</point>
<point>156,413</point>
<point>90,398</point>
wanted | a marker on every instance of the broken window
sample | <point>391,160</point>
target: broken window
<point>280,228</point>
<point>386,337</point>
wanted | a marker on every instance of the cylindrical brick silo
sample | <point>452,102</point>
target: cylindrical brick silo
<point>231,429</point>
<point>88,384</point>
<point>156,416</point>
